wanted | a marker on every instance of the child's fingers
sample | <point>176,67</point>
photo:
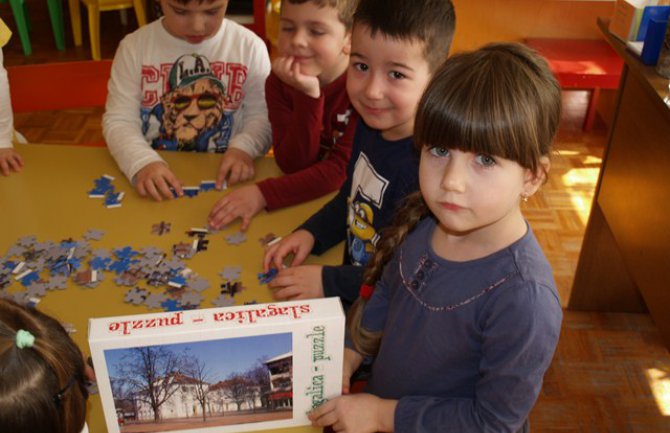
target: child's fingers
<point>152,191</point>
<point>15,166</point>
<point>17,161</point>
<point>323,415</point>
<point>4,167</point>
<point>175,184</point>
<point>163,188</point>
<point>235,174</point>
<point>285,294</point>
<point>222,175</point>
<point>269,257</point>
<point>246,220</point>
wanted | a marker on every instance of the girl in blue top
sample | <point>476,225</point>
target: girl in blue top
<point>460,310</point>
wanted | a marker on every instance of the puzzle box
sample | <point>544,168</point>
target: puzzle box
<point>242,368</point>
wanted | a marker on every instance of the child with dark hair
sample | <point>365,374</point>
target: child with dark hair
<point>459,308</point>
<point>10,160</point>
<point>312,119</point>
<point>42,374</point>
<point>190,81</point>
<point>396,46</point>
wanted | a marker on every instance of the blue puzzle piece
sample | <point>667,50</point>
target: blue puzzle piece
<point>190,191</point>
<point>113,199</point>
<point>125,253</point>
<point>266,277</point>
<point>178,280</point>
<point>100,263</point>
<point>171,305</point>
<point>207,185</point>
<point>30,278</point>
<point>121,265</point>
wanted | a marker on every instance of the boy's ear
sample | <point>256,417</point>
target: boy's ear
<point>346,48</point>
<point>534,181</point>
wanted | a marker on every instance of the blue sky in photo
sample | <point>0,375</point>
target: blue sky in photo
<point>222,357</point>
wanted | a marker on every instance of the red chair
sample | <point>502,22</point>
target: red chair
<point>585,64</point>
<point>59,86</point>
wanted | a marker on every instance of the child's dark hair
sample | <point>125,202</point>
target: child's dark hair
<point>430,22</point>
<point>345,8</point>
<point>501,100</point>
<point>42,383</point>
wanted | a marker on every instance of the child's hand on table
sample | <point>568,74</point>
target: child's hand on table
<point>298,282</point>
<point>288,70</point>
<point>236,166</point>
<point>155,180</point>
<point>10,161</point>
<point>299,244</point>
<point>244,203</point>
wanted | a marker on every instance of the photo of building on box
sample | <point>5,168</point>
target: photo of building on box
<point>203,384</point>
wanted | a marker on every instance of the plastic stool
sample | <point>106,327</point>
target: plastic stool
<point>589,64</point>
<point>22,19</point>
<point>94,8</point>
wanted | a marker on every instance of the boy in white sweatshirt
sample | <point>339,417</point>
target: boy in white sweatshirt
<point>190,81</point>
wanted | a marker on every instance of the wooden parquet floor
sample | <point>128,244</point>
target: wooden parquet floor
<point>611,372</point>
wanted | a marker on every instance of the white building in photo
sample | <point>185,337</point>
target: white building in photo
<point>223,397</point>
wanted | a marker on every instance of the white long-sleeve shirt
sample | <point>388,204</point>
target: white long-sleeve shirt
<point>6,117</point>
<point>165,93</point>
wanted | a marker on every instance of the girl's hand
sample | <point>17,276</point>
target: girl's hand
<point>298,243</point>
<point>10,161</point>
<point>356,413</point>
<point>299,282</point>
<point>244,203</point>
<point>288,70</point>
<point>236,166</point>
<point>155,180</point>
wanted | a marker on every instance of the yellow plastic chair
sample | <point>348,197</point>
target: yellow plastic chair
<point>272,11</point>
<point>94,8</point>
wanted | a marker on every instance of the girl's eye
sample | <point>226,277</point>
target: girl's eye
<point>212,12</point>
<point>315,32</point>
<point>439,151</point>
<point>362,67</point>
<point>486,160</point>
<point>396,75</point>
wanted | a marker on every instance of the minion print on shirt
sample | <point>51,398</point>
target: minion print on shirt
<point>191,114</point>
<point>367,194</point>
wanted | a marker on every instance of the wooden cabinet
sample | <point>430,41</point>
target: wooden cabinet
<point>625,259</point>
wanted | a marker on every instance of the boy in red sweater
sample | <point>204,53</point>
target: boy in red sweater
<point>312,119</point>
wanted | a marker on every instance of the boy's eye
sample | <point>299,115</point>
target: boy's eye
<point>362,67</point>
<point>179,11</point>
<point>212,12</point>
<point>486,160</point>
<point>316,32</point>
<point>286,28</point>
<point>396,75</point>
<point>439,151</point>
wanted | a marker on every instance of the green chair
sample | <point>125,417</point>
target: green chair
<point>22,19</point>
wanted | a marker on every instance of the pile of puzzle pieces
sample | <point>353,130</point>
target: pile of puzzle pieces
<point>154,278</point>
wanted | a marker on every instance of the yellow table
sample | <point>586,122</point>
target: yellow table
<point>49,199</point>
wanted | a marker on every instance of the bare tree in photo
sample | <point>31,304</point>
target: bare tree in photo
<point>124,399</point>
<point>150,374</point>
<point>260,377</point>
<point>236,389</point>
<point>197,370</point>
